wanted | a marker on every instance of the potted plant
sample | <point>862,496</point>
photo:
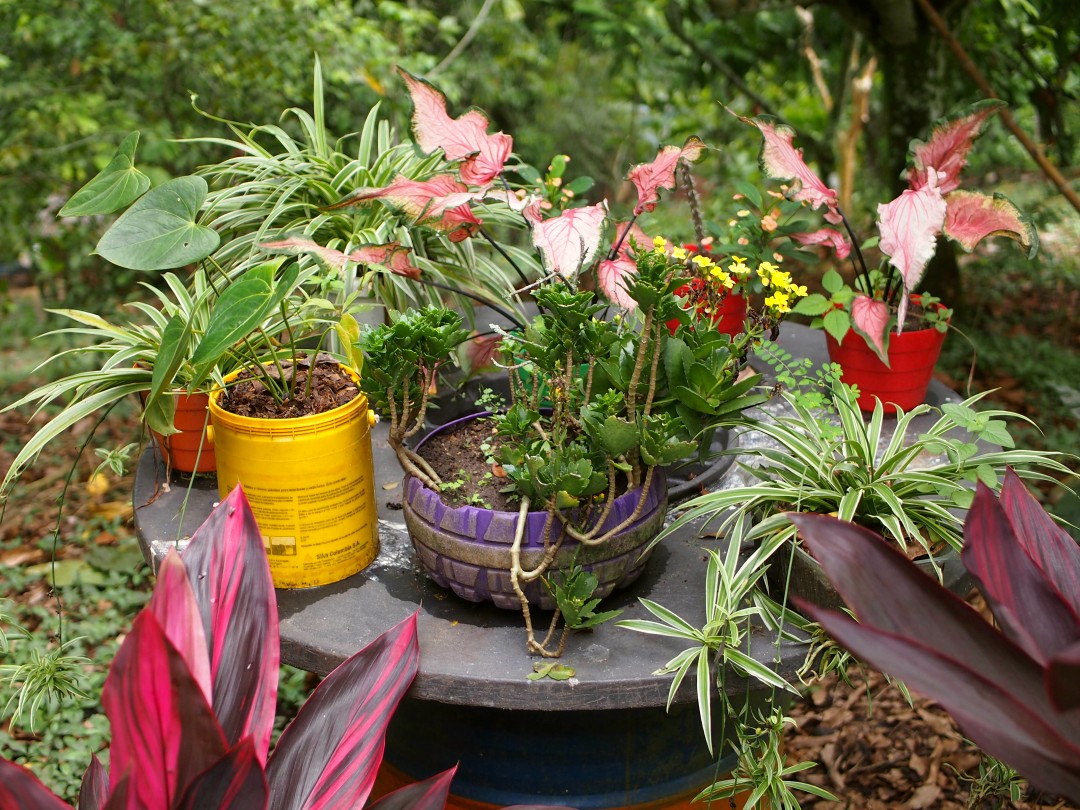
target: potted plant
<point>879,305</point>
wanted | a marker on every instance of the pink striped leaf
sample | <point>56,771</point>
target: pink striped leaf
<point>173,604</point>
<point>870,318</point>
<point>826,236</point>
<point>568,242</point>
<point>649,178</point>
<point>1049,545</point>
<point>164,733</point>
<point>234,782</point>
<point>230,576</point>
<point>94,788</point>
<point>441,203</point>
<point>909,227</point>
<point>392,255</point>
<point>780,159</point>
<point>946,150</point>
<point>430,794</point>
<point>21,790</point>
<point>915,630</point>
<point>972,216</point>
<point>123,796</point>
<point>465,138</point>
<point>328,756</point>
<point>1025,602</point>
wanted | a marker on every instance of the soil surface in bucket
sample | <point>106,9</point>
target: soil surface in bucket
<point>330,388</point>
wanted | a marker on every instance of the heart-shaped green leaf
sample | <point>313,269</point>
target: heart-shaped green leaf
<point>115,186</point>
<point>159,231</point>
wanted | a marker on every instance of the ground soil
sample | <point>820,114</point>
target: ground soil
<point>461,457</point>
<point>330,388</point>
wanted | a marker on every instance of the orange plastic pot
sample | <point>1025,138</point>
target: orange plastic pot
<point>190,450</point>
<point>900,384</point>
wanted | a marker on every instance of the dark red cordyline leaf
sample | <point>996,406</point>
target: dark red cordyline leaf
<point>163,731</point>
<point>920,633</point>
<point>328,756</point>
<point>173,605</point>
<point>1049,545</point>
<point>94,790</point>
<point>430,794</point>
<point>230,576</point>
<point>1063,679</point>
<point>1026,604</point>
<point>234,782</point>
<point>21,790</point>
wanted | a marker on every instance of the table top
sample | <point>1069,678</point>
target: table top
<point>474,654</point>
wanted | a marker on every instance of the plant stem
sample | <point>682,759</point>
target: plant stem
<point>518,325</point>
<point>502,252</point>
<point>858,252</point>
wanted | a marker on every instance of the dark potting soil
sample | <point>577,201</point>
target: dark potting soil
<point>330,387</point>
<point>460,459</point>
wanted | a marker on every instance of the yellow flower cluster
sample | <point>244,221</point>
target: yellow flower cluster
<point>784,290</point>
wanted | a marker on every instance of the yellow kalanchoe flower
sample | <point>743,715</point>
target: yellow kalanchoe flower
<point>679,253</point>
<point>778,301</point>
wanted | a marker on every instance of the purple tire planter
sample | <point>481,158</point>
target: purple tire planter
<point>467,548</point>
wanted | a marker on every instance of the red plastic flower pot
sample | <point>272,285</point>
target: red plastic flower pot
<point>729,319</point>
<point>901,384</point>
<point>181,450</point>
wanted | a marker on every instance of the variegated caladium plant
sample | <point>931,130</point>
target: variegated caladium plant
<point>1014,688</point>
<point>191,694</point>
<point>933,205</point>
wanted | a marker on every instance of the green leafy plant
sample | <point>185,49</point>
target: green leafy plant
<point>573,591</point>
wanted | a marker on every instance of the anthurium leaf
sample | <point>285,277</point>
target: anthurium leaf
<point>94,788</point>
<point>920,633</point>
<point>158,415</point>
<point>159,231</point>
<point>21,789</point>
<point>1049,545</point>
<point>175,341</point>
<point>430,794</point>
<point>230,577</point>
<point>234,782</point>
<point>162,727</point>
<point>1025,603</point>
<point>117,185</point>
<point>328,756</point>
<point>243,305</point>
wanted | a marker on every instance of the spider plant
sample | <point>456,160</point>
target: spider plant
<point>913,490</point>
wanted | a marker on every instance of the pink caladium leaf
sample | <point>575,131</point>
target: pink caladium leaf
<point>94,788</point>
<point>465,138</point>
<point>163,729</point>
<point>568,242</point>
<point>780,159</point>
<point>972,216</point>
<point>328,756</point>
<point>392,255</point>
<point>480,352</point>
<point>915,630</point>
<point>870,317</point>
<point>909,227</point>
<point>946,150</point>
<point>430,794</point>
<point>230,576</point>
<point>826,236</point>
<point>234,782</point>
<point>649,178</point>
<point>441,203</point>
<point>1023,599</point>
<point>173,603</point>
<point>612,272</point>
<point>21,790</point>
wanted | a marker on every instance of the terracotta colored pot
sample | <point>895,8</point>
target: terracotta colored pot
<point>467,548</point>
<point>181,450</point>
<point>729,319</point>
<point>902,383</point>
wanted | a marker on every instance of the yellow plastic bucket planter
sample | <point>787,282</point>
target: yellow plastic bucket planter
<point>310,484</point>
